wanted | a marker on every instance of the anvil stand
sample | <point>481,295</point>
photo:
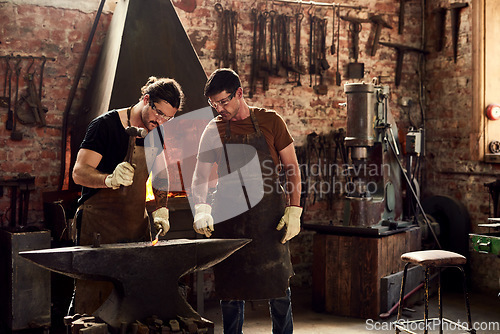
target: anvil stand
<point>145,277</point>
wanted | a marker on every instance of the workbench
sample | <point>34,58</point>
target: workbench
<point>347,270</point>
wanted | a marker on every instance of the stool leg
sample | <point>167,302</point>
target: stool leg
<point>440,303</point>
<point>467,304</point>
<point>426,304</point>
<point>401,296</point>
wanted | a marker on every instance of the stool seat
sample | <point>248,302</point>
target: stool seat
<point>435,258</point>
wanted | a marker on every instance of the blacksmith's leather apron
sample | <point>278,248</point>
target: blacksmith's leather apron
<point>118,216</point>
<point>261,269</point>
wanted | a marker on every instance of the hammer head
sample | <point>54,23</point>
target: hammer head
<point>134,131</point>
<point>377,19</point>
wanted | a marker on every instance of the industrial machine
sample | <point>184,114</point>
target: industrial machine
<point>371,233</point>
<point>373,203</point>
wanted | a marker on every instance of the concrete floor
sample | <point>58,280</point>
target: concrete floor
<point>485,310</point>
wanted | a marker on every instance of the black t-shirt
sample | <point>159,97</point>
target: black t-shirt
<point>106,136</point>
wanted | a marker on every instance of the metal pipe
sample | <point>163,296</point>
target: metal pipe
<point>72,93</point>
<point>315,3</point>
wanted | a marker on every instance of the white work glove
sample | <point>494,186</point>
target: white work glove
<point>122,175</point>
<point>160,220</point>
<point>203,220</point>
<point>290,219</point>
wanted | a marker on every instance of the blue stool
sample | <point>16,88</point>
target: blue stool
<point>429,259</point>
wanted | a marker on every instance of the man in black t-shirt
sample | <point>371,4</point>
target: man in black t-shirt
<point>113,201</point>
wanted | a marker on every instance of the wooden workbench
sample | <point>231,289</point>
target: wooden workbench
<point>347,270</point>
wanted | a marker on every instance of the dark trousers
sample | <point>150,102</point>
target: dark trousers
<point>280,308</point>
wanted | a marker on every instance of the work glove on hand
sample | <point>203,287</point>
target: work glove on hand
<point>290,219</point>
<point>122,175</point>
<point>160,220</point>
<point>203,220</point>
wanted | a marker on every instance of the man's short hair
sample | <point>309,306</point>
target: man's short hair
<point>164,89</point>
<point>222,79</point>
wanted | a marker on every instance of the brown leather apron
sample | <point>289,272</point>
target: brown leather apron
<point>118,216</point>
<point>261,269</point>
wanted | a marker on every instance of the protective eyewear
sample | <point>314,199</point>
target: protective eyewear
<point>222,102</point>
<point>160,113</point>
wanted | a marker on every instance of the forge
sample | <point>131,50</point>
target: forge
<point>145,277</point>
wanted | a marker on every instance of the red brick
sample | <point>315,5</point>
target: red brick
<point>18,167</point>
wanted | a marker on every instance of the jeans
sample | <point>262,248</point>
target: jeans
<point>280,309</point>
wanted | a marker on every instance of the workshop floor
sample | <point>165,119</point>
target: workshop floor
<point>485,310</point>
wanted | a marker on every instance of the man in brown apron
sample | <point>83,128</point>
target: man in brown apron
<point>113,201</point>
<point>248,144</point>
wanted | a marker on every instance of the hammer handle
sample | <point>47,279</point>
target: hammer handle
<point>401,20</point>
<point>130,151</point>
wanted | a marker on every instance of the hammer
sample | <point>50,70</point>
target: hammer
<point>379,23</point>
<point>401,22</point>
<point>455,9</point>
<point>401,50</point>
<point>133,132</point>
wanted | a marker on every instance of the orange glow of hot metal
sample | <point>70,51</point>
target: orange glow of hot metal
<point>155,241</point>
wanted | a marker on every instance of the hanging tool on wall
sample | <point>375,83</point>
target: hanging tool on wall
<point>401,21</point>
<point>284,60</point>
<point>312,160</point>
<point>332,47</point>
<point>455,9</point>
<point>263,65</point>
<point>338,76</point>
<point>277,35</point>
<point>440,18</point>
<point>4,100</point>
<point>401,50</point>
<point>226,48</point>
<point>312,68</point>
<point>32,97</point>
<point>253,68</point>
<point>36,112</point>
<point>321,63</point>
<point>378,23</point>
<point>233,33</point>
<point>9,124</point>
<point>282,45</point>
<point>272,43</point>
<point>317,54</point>
<point>355,70</point>
<point>260,67</point>
<point>289,63</point>
<point>15,134</point>
<point>298,27</point>
<point>218,54</point>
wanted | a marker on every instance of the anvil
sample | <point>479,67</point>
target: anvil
<point>145,277</point>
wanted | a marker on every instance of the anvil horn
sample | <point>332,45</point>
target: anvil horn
<point>145,277</point>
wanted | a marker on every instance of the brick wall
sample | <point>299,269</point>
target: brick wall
<point>55,32</point>
<point>61,32</point>
<point>451,165</point>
